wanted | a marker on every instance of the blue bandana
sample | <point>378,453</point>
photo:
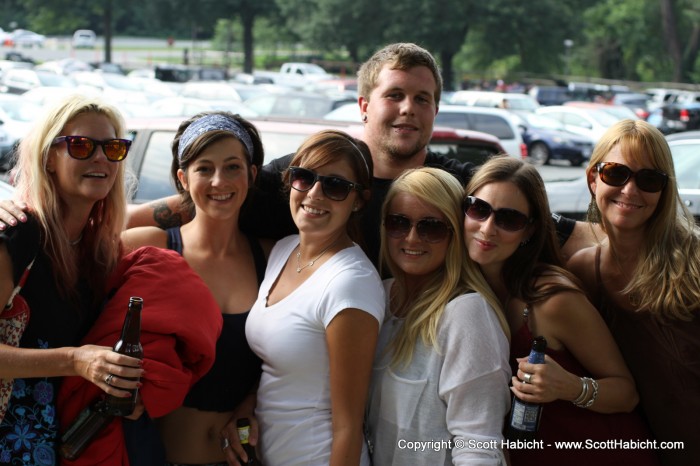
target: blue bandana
<point>214,122</point>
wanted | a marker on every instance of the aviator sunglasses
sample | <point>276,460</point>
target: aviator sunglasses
<point>430,230</point>
<point>83,147</point>
<point>334,187</point>
<point>507,219</point>
<point>617,174</point>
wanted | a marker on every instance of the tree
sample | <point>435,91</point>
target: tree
<point>440,27</point>
<point>332,25</point>
<point>528,36</point>
<point>681,25</point>
<point>61,16</point>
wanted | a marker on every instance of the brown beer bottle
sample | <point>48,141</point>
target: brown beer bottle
<point>243,426</point>
<point>83,430</point>
<point>129,344</point>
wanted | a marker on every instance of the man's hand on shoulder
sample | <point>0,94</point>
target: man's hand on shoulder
<point>11,212</point>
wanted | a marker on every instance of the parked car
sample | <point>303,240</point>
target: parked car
<point>210,90</point>
<point>296,104</point>
<point>636,102</point>
<point>6,149</point>
<point>683,135</point>
<point>494,121</point>
<point>24,38</point>
<point>20,80</point>
<point>17,116</point>
<point>679,116</point>
<point>5,37</point>
<point>588,122</point>
<point>150,156</point>
<point>116,88</point>
<point>550,95</point>
<point>84,39</point>
<point>548,140</point>
<point>511,101</point>
<point>571,198</point>
<point>64,66</point>
<point>6,191</point>
<point>345,112</point>
<point>620,112</point>
<point>179,106</point>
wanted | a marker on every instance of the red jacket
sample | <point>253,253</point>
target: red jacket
<point>180,324</point>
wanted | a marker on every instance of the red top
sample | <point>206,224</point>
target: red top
<point>562,421</point>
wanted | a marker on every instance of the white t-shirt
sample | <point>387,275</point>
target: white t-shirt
<point>294,403</point>
<point>453,398</point>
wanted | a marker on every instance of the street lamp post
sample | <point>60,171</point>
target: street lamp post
<point>568,43</point>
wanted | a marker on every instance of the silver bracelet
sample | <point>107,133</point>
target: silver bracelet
<point>595,394</point>
<point>583,394</point>
<point>590,402</point>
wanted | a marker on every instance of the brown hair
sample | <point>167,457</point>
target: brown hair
<point>202,142</point>
<point>540,256</point>
<point>329,146</point>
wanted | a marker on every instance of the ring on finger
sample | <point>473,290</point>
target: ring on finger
<point>225,443</point>
<point>527,378</point>
<point>108,379</point>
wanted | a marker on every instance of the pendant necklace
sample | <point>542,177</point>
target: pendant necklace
<point>310,264</point>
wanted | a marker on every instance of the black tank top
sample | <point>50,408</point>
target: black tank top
<point>236,369</point>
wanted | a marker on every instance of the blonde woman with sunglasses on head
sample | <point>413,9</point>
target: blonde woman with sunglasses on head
<point>441,369</point>
<point>586,390</point>
<point>645,278</point>
<point>318,312</point>
<point>70,173</point>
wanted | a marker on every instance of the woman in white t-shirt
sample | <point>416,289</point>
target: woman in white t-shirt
<point>440,379</point>
<point>316,320</point>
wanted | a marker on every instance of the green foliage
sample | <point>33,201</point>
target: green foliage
<point>622,39</point>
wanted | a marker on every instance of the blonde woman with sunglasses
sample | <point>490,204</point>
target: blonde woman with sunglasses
<point>441,369</point>
<point>70,172</point>
<point>645,278</point>
<point>585,388</point>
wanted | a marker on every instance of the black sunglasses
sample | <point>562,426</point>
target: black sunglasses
<point>430,230</point>
<point>617,174</point>
<point>334,187</point>
<point>507,219</point>
<point>83,147</point>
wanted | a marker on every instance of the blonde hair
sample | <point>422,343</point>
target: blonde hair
<point>98,251</point>
<point>457,275</point>
<point>666,280</point>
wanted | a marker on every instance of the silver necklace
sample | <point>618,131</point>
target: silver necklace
<point>310,264</point>
<point>76,241</point>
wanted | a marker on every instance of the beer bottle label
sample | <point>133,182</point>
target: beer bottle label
<point>525,417</point>
<point>243,434</point>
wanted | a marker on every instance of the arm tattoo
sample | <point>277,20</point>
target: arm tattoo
<point>165,218</point>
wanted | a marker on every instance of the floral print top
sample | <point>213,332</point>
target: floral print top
<point>29,432</point>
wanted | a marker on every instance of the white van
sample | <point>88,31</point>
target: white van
<point>500,123</point>
<point>84,38</point>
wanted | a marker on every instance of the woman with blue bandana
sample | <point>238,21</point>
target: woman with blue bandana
<point>216,157</point>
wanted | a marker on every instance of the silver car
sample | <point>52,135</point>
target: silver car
<point>571,198</point>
